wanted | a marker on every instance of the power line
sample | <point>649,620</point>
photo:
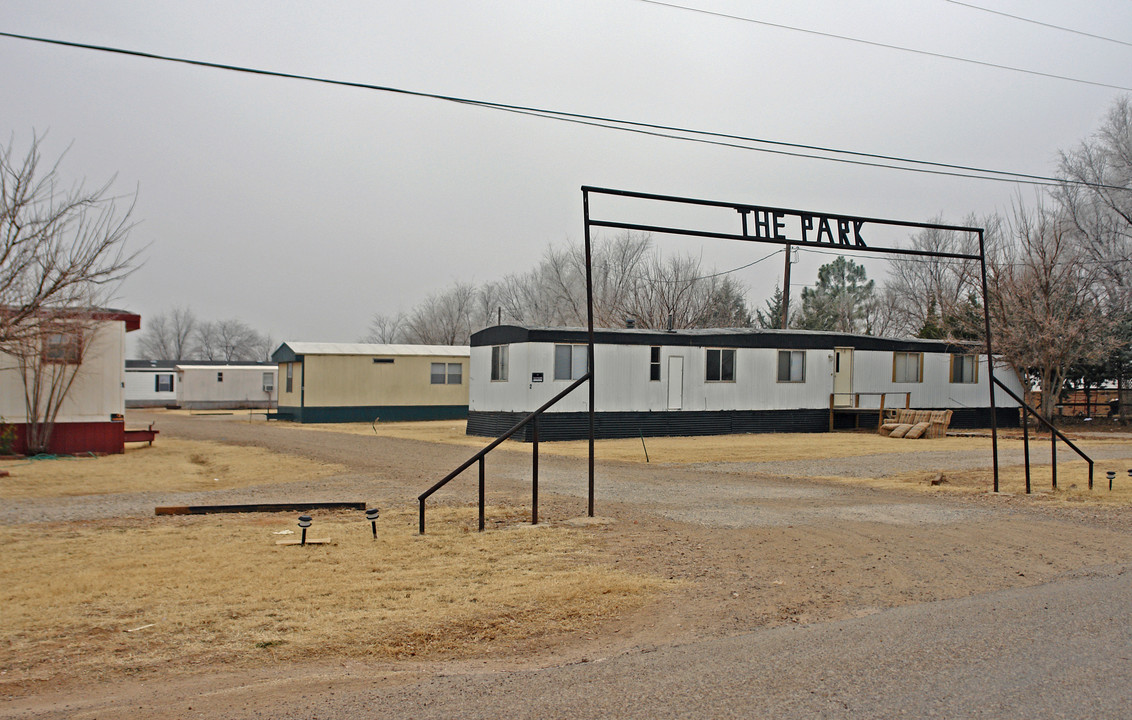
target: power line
<point>887,46</point>
<point>1038,22</point>
<point>708,277</point>
<point>651,129</point>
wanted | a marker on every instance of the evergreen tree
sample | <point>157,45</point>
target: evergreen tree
<point>772,317</point>
<point>840,300</point>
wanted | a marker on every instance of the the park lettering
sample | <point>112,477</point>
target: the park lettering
<point>806,228</point>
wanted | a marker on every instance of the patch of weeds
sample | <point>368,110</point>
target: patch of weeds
<point>270,643</point>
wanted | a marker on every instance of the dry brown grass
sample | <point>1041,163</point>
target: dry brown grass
<point>218,588</point>
<point>170,465</point>
<point>1072,481</point>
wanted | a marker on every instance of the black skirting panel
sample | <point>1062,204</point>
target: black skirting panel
<point>575,426</point>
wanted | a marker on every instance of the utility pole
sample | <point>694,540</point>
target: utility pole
<point>786,289</point>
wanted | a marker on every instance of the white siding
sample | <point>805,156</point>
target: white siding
<point>623,381</point>
<point>872,371</point>
<point>141,387</point>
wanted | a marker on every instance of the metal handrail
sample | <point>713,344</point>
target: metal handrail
<point>1054,435</point>
<point>479,456</point>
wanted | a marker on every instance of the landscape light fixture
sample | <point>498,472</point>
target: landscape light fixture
<point>1111,476</point>
<point>371,515</point>
<point>304,523</point>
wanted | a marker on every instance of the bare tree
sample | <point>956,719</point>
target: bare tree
<point>49,362</point>
<point>921,286</point>
<point>169,335</point>
<point>230,341</point>
<point>385,329</point>
<point>443,318</point>
<point>1096,196</point>
<point>630,280</point>
<point>62,255</point>
<point>1044,303</point>
<point>59,248</point>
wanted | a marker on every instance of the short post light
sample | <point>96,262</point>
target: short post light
<point>1111,476</point>
<point>372,515</point>
<point>304,523</point>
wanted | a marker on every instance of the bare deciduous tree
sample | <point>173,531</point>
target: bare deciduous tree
<point>62,255</point>
<point>923,285</point>
<point>230,341</point>
<point>386,329</point>
<point>169,335</point>
<point>443,318</point>
<point>1097,197</point>
<point>630,281</point>
<point>1044,303</point>
<point>59,247</point>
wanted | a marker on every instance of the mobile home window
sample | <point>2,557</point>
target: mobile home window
<point>268,382</point>
<point>654,363</point>
<point>964,368</point>
<point>163,382</point>
<point>438,374</point>
<point>791,366</point>
<point>907,367</point>
<point>63,347</point>
<point>720,365</point>
<point>569,361</point>
<point>499,363</point>
<point>219,377</point>
<point>290,375</point>
<point>447,373</point>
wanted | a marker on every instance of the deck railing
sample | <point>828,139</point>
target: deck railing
<point>856,406</point>
<point>531,419</point>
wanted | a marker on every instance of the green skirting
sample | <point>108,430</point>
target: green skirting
<point>381,413</point>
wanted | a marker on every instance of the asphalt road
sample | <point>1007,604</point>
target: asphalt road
<point>1059,650</point>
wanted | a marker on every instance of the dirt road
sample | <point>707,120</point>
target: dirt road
<point>757,548</point>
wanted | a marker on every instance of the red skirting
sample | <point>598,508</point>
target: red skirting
<point>81,437</point>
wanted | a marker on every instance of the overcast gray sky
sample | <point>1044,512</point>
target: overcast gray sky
<point>303,209</point>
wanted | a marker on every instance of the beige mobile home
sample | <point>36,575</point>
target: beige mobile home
<point>355,382</point>
<point>242,385</point>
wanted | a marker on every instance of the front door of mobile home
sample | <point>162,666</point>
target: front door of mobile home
<point>675,383</point>
<point>842,377</point>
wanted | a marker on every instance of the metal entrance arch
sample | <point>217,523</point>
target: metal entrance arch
<point>780,226</point>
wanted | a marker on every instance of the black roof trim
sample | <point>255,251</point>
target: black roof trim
<point>715,337</point>
<point>171,364</point>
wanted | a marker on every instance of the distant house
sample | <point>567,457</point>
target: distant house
<point>200,384</point>
<point>355,382</point>
<point>90,418</point>
<point>151,383</point>
<point>719,381</point>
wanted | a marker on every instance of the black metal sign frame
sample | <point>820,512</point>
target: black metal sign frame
<point>781,226</point>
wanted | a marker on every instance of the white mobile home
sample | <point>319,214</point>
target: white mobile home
<point>357,382</point>
<point>707,382</point>
<point>200,384</point>
<point>90,346</point>
<point>151,383</point>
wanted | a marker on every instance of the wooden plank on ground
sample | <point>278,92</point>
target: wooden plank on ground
<point>257,507</point>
